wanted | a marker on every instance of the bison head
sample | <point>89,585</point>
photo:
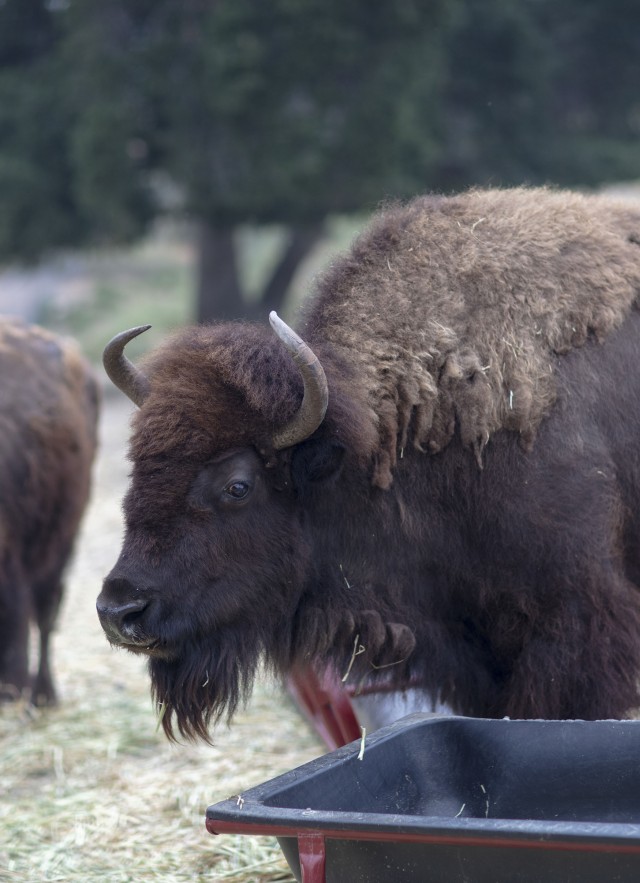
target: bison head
<point>215,554</point>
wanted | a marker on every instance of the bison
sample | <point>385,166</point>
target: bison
<point>48,414</point>
<point>438,480</point>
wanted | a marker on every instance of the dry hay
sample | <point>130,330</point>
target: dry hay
<point>91,790</point>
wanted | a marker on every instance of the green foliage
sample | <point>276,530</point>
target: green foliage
<point>27,31</point>
<point>35,209</point>
<point>543,91</point>
<point>281,111</point>
<point>68,161</point>
<point>289,111</point>
<point>104,84</point>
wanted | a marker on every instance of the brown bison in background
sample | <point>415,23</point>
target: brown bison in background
<point>48,415</point>
<point>462,507</point>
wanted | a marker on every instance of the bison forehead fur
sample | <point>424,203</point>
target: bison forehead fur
<point>468,508</point>
<point>48,417</point>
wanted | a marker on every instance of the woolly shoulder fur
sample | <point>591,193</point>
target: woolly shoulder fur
<point>455,310</point>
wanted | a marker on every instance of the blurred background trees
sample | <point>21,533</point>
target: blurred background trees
<point>116,112</point>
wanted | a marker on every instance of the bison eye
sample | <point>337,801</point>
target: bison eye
<point>237,490</point>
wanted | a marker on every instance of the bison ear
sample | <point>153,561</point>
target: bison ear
<point>315,461</point>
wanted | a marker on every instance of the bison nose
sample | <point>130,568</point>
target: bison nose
<point>119,620</point>
<point>119,617</point>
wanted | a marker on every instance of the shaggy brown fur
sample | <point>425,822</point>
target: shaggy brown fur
<point>469,509</point>
<point>48,415</point>
<point>223,386</point>
<point>453,310</point>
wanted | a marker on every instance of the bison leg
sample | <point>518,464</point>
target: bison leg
<point>43,692</point>
<point>14,642</point>
<point>47,604</point>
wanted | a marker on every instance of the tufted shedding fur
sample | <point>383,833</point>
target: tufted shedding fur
<point>469,509</point>
<point>48,416</point>
<point>453,309</point>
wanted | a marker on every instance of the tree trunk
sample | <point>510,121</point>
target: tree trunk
<point>219,295</point>
<point>301,243</point>
<point>219,289</point>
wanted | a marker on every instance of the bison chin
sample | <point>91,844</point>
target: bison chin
<point>204,683</point>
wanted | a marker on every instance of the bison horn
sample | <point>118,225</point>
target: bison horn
<point>121,371</point>
<point>316,394</point>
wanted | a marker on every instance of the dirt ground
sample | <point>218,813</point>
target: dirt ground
<point>92,791</point>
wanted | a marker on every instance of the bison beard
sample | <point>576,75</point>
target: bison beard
<point>204,683</point>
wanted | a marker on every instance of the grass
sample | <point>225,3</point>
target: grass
<point>96,796</point>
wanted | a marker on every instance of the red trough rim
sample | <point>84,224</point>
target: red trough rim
<point>223,826</point>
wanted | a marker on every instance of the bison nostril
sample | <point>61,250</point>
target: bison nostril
<point>129,613</point>
<point>121,617</point>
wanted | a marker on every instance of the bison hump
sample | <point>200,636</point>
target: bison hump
<point>456,310</point>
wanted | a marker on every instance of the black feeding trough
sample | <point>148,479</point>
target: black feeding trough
<point>440,800</point>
